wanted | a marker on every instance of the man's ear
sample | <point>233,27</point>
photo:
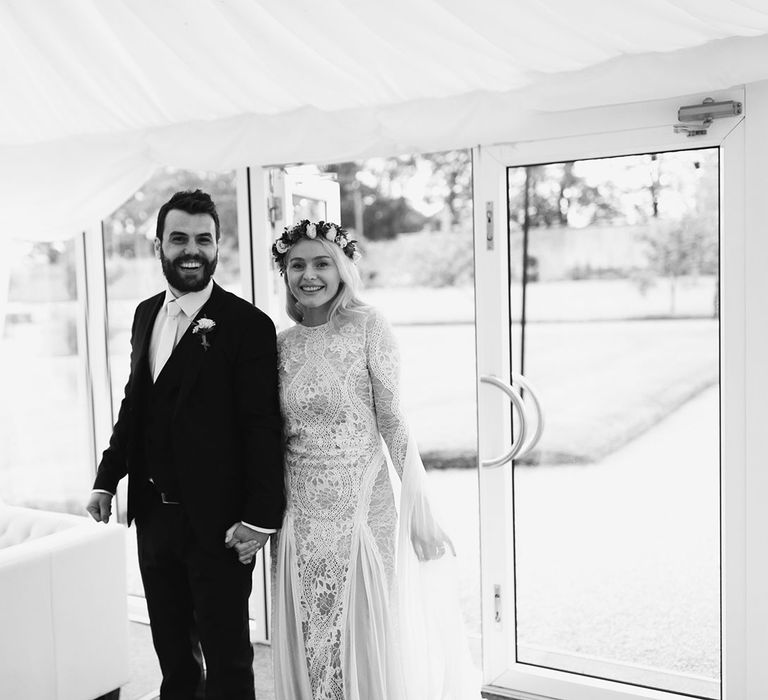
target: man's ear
<point>157,243</point>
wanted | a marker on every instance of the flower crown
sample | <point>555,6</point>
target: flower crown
<point>309,230</point>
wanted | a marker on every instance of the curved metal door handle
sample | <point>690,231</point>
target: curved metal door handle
<point>536,435</point>
<point>518,403</point>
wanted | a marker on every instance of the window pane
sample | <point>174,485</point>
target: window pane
<point>45,458</point>
<point>617,511</point>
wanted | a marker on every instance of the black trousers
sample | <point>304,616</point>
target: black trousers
<point>197,598</point>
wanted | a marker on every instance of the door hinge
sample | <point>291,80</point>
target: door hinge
<point>274,209</point>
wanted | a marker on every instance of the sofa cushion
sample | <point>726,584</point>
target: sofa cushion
<point>19,525</point>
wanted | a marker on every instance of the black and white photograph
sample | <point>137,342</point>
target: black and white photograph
<point>409,350</point>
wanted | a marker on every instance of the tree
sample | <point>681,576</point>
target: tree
<point>377,199</point>
<point>687,244</point>
<point>450,184</point>
<point>671,252</point>
<point>556,194</point>
<point>371,200</point>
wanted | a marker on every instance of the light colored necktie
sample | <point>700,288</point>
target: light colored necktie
<point>167,336</point>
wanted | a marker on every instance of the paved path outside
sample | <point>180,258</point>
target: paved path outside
<point>619,559</point>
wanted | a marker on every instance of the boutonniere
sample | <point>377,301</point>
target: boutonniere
<point>204,326</point>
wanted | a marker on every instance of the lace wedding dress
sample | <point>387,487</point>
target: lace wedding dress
<point>356,616</point>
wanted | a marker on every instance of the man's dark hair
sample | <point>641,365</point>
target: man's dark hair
<point>191,202</point>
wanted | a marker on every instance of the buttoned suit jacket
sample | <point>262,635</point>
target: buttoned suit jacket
<point>215,428</point>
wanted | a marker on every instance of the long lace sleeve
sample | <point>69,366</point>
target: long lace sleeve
<point>384,370</point>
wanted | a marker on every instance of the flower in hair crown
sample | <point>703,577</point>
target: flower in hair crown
<point>309,230</point>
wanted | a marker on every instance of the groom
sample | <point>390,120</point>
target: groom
<point>199,436</point>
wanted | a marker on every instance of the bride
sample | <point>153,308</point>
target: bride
<point>363,607</point>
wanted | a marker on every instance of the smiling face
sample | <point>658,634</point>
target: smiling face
<point>188,250</point>
<point>313,278</point>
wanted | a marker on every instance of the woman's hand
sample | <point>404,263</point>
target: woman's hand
<point>246,551</point>
<point>246,541</point>
<point>433,545</point>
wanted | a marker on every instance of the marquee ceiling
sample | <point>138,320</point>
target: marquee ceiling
<point>98,93</point>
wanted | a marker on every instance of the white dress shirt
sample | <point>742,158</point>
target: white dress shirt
<point>190,304</point>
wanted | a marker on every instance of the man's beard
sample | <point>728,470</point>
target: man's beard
<point>175,278</point>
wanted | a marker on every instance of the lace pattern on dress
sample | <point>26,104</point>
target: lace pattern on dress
<point>339,396</point>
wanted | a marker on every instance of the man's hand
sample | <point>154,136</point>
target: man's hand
<point>100,507</point>
<point>246,541</point>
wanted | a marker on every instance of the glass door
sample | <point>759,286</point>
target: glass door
<point>271,199</point>
<point>598,269</point>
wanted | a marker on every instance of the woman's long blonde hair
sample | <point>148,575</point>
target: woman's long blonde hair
<point>347,300</point>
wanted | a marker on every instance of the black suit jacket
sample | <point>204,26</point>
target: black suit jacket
<point>214,412</point>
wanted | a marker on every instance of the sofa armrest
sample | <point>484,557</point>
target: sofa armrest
<point>64,629</point>
<point>26,643</point>
<point>90,612</point>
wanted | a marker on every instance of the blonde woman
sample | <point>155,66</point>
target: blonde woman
<point>352,583</point>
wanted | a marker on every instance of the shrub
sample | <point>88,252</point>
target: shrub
<point>424,259</point>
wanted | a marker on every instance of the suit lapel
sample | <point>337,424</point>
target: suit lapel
<point>144,330</point>
<point>190,347</point>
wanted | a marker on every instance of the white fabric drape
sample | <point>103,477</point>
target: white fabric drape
<point>434,654</point>
<point>422,654</point>
<point>98,93</point>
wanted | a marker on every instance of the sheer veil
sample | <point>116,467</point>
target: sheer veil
<point>420,652</point>
<point>433,650</point>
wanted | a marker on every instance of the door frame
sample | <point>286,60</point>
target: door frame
<point>264,197</point>
<point>611,131</point>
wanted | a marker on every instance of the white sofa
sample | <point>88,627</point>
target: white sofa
<point>63,607</point>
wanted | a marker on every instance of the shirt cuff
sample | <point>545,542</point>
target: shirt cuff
<point>263,530</point>
<point>109,493</point>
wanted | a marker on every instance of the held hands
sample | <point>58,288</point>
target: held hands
<point>100,507</point>
<point>246,541</point>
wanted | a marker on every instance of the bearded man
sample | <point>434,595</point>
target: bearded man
<point>199,436</point>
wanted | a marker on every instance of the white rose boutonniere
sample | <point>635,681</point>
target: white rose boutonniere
<point>203,326</point>
<point>311,230</point>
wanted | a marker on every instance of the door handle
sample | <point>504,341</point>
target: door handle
<point>532,393</point>
<point>519,405</point>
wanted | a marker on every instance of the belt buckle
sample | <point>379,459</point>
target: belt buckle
<point>167,501</point>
